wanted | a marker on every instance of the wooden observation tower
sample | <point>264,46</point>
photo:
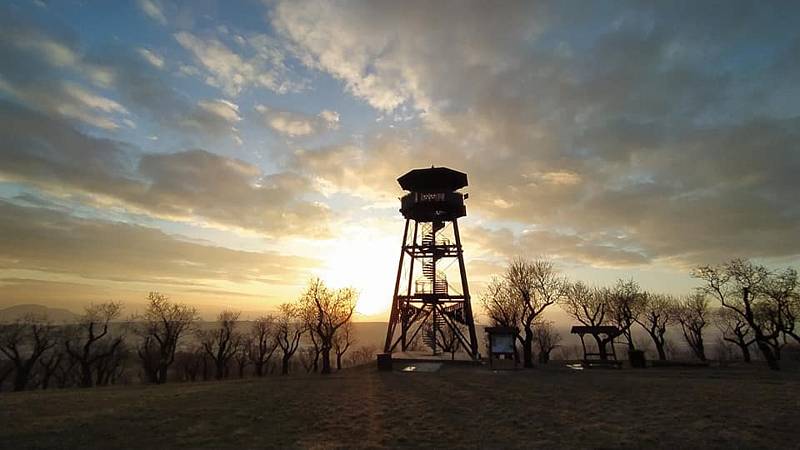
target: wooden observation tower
<point>425,302</point>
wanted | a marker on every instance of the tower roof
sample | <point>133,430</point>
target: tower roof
<point>433,179</point>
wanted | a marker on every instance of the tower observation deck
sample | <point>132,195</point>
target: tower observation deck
<point>427,306</point>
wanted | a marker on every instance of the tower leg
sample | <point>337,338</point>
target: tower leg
<point>394,315</point>
<point>406,319</point>
<point>465,289</point>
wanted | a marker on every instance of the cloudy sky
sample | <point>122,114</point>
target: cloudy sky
<point>224,152</point>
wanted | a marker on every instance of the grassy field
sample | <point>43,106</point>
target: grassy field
<point>464,407</point>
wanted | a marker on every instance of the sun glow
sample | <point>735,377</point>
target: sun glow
<point>366,259</point>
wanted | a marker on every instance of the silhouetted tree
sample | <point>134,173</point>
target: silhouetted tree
<point>223,342</point>
<point>327,310</point>
<point>6,369</point>
<point>658,311</point>
<point>735,330</point>
<point>742,287</point>
<point>162,326</point>
<point>782,289</point>
<point>49,363</point>
<point>546,339</point>
<point>308,356</point>
<point>308,313</point>
<point>693,315</point>
<point>263,343</point>
<point>528,288</point>
<point>84,342</point>
<point>242,355</point>
<point>190,362</point>
<point>342,340</point>
<point>110,369</point>
<point>23,342</point>
<point>288,330</point>
<point>362,354</point>
<point>503,308</point>
<point>589,306</point>
<point>625,304</point>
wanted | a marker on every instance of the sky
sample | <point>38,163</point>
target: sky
<point>224,152</point>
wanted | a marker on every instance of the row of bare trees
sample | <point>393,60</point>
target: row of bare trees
<point>756,306</point>
<point>85,353</point>
<point>100,345</point>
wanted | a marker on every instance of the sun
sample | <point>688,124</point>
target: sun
<point>366,259</point>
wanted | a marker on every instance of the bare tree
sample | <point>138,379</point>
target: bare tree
<point>308,313</point>
<point>735,330</point>
<point>658,311</point>
<point>49,363</point>
<point>288,330</point>
<point>503,308</point>
<point>546,339</point>
<point>110,369</point>
<point>242,355</point>
<point>190,362</point>
<point>263,343</point>
<point>782,289</point>
<point>625,304</point>
<point>330,309</point>
<point>589,306</point>
<point>223,342</point>
<point>6,369</point>
<point>162,326</point>
<point>693,315</point>
<point>307,358</point>
<point>84,342</point>
<point>741,286</point>
<point>23,342</point>
<point>362,354</point>
<point>528,288</point>
<point>342,341</point>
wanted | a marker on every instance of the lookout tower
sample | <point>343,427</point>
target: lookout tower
<point>425,301</point>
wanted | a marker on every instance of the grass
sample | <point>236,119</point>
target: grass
<point>463,407</point>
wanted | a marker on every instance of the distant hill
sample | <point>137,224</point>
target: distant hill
<point>57,315</point>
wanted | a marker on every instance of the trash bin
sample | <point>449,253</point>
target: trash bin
<point>636,358</point>
<point>385,361</point>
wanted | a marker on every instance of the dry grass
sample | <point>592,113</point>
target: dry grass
<point>456,407</point>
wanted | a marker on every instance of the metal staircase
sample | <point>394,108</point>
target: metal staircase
<point>433,281</point>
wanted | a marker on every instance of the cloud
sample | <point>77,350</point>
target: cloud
<point>154,10</point>
<point>233,72</point>
<point>43,61</point>
<point>214,117</point>
<point>294,124</point>
<point>152,57</point>
<point>62,244</point>
<point>579,123</point>
<point>70,101</point>
<point>191,186</point>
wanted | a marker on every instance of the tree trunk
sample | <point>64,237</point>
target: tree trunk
<point>544,357</point>
<point>162,374</point>
<point>745,352</point>
<point>21,378</point>
<point>769,356</point>
<point>86,375</point>
<point>662,354</point>
<point>219,372</point>
<point>259,368</point>
<point>285,365</point>
<point>338,361</point>
<point>326,360</point>
<point>527,348</point>
<point>601,347</point>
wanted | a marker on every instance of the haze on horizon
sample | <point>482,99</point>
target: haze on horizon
<point>225,152</point>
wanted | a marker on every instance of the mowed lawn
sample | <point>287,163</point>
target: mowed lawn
<point>464,407</point>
